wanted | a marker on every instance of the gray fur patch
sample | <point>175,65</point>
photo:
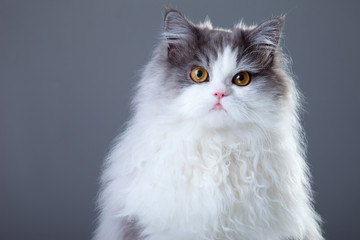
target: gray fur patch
<point>131,230</point>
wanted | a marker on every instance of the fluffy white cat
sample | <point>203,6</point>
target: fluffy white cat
<point>214,149</point>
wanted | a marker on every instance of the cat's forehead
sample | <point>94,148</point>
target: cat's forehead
<point>225,64</point>
<point>216,37</point>
<point>215,41</point>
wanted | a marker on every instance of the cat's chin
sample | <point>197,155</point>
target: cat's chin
<point>217,118</point>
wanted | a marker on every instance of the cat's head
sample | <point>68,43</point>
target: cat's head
<point>217,77</point>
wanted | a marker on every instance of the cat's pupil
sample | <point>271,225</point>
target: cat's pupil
<point>240,77</point>
<point>199,73</point>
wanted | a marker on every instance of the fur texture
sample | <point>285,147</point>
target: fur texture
<point>184,170</point>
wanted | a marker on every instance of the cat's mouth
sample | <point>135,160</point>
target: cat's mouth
<point>218,107</point>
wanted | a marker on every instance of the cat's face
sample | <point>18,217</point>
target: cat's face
<point>219,77</point>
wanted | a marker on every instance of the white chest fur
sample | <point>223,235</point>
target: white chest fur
<point>212,187</point>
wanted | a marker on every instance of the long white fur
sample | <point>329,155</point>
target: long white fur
<point>184,171</point>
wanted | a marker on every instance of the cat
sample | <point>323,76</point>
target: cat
<point>215,148</point>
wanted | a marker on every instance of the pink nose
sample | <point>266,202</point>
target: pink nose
<point>220,94</point>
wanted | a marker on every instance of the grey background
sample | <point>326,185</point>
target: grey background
<point>66,73</point>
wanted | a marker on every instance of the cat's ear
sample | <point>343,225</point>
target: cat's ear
<point>178,31</point>
<point>264,39</point>
<point>267,34</point>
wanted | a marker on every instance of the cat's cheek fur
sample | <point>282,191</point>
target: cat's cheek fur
<point>196,101</point>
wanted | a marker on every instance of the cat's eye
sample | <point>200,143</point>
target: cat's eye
<point>242,78</point>
<point>199,75</point>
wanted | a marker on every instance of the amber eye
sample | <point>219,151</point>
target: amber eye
<point>199,74</point>
<point>241,79</point>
